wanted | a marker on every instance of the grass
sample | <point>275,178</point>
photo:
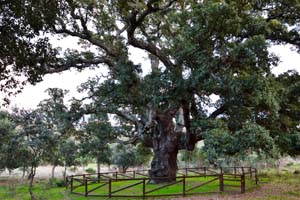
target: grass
<point>282,186</point>
<point>273,186</point>
<point>173,189</point>
<point>43,190</point>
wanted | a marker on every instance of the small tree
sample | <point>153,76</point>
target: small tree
<point>57,117</point>
<point>13,154</point>
<point>98,134</point>
<point>143,155</point>
<point>6,131</point>
<point>124,156</point>
<point>35,139</point>
<point>251,138</point>
<point>69,153</point>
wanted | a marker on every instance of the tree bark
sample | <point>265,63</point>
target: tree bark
<point>165,149</point>
<point>65,172</point>
<point>53,171</point>
<point>31,177</point>
<point>23,172</point>
<point>98,166</point>
<point>98,169</point>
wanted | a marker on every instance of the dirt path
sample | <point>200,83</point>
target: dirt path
<point>267,191</point>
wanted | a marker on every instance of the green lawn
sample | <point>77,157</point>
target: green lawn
<point>173,189</point>
<point>44,191</point>
<point>285,185</point>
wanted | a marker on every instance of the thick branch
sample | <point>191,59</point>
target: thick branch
<point>85,35</point>
<point>135,21</point>
<point>217,112</point>
<point>78,63</point>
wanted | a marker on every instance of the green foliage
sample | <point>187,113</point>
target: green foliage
<point>69,152</point>
<point>143,155</point>
<point>29,143</point>
<point>124,157</point>
<point>90,170</point>
<point>252,138</point>
<point>7,130</point>
<point>289,142</point>
<point>22,53</point>
<point>59,121</point>
<point>201,49</point>
<point>286,130</point>
<point>98,134</point>
<point>54,183</point>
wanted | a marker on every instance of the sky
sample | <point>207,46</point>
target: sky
<point>70,80</point>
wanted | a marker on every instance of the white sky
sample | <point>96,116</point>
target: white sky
<point>69,80</point>
<point>32,95</point>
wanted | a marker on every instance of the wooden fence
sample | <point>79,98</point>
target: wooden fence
<point>239,178</point>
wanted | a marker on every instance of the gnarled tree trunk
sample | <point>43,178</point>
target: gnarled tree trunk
<point>165,148</point>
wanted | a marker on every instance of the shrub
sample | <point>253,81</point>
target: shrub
<point>90,171</point>
<point>57,182</point>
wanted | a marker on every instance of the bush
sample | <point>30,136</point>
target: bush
<point>90,171</point>
<point>57,182</point>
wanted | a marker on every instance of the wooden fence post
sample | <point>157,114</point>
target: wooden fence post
<point>183,186</point>
<point>221,182</point>
<point>109,188</point>
<point>204,171</point>
<point>67,182</point>
<point>250,173</point>
<point>116,175</point>
<point>134,174</point>
<point>186,171</point>
<point>256,177</point>
<point>234,172</point>
<point>86,187</point>
<point>71,183</point>
<point>243,185</point>
<point>99,177</point>
<point>144,188</point>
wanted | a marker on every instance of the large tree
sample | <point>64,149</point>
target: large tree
<point>196,48</point>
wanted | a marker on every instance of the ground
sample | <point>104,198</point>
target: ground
<point>266,192</point>
<point>280,187</point>
<point>285,186</point>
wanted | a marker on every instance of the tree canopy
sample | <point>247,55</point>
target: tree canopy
<point>196,49</point>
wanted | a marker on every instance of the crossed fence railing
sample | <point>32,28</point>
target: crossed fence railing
<point>223,179</point>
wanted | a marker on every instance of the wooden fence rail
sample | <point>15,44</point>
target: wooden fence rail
<point>226,178</point>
